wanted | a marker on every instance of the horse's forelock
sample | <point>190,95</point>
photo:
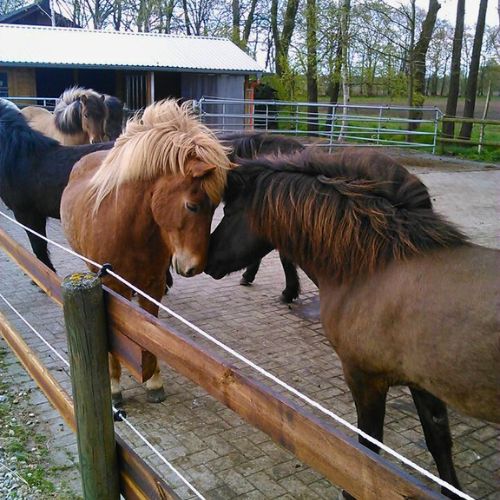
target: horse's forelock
<point>96,107</point>
<point>160,142</point>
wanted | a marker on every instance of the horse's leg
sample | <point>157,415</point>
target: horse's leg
<point>115,371</point>
<point>249,274</point>
<point>292,289</point>
<point>434,419</point>
<point>169,281</point>
<point>369,396</point>
<point>39,246</point>
<point>154,385</point>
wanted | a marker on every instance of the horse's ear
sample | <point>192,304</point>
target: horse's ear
<point>198,168</point>
<point>83,99</point>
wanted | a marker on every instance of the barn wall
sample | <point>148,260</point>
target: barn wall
<point>195,86</point>
<point>21,82</point>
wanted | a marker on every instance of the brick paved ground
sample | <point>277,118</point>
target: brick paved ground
<point>215,449</point>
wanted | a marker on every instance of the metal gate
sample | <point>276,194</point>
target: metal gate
<point>326,124</point>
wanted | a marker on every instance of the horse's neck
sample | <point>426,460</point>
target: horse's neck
<point>72,139</point>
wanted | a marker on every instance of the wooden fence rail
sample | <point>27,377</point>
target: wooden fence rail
<point>341,459</point>
<point>469,142</point>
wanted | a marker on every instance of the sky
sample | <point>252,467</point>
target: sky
<point>448,10</point>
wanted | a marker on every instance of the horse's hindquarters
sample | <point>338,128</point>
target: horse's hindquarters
<point>431,322</point>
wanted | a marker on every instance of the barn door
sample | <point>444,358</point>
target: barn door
<point>135,88</point>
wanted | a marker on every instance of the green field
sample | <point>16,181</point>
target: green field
<point>358,128</point>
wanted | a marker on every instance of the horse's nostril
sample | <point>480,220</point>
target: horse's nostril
<point>190,272</point>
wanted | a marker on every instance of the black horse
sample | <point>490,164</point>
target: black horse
<point>34,171</point>
<point>247,145</point>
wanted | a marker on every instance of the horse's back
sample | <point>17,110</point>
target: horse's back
<point>75,199</point>
<point>39,118</point>
<point>432,322</point>
<point>42,120</point>
<point>88,164</point>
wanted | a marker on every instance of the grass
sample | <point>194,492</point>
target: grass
<point>287,121</point>
<point>27,446</point>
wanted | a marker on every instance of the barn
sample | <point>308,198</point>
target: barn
<point>139,68</point>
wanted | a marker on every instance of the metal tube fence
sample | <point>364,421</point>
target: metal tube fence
<point>325,124</point>
<point>44,102</point>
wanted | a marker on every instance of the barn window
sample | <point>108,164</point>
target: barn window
<point>4,87</point>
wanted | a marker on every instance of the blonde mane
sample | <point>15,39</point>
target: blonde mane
<point>158,143</point>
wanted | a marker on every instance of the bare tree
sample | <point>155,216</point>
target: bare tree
<point>471,90</point>
<point>451,103</point>
<point>7,6</point>
<point>241,38</point>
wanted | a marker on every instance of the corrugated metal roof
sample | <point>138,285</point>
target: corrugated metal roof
<point>47,46</point>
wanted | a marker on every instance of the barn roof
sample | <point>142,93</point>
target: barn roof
<point>22,45</point>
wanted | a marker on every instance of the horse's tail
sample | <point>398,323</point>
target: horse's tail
<point>18,141</point>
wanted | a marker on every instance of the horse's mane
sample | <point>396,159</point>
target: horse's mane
<point>18,141</point>
<point>346,214</point>
<point>158,143</point>
<point>68,110</point>
<point>253,144</point>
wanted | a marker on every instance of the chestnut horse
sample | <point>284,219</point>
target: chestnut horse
<point>79,117</point>
<point>405,299</point>
<point>146,204</point>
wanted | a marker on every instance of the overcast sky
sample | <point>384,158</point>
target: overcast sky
<point>448,10</point>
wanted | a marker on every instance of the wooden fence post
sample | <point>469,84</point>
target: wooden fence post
<point>85,319</point>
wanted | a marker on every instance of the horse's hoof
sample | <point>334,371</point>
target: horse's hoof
<point>117,398</point>
<point>245,282</point>
<point>343,495</point>
<point>288,297</point>
<point>156,395</point>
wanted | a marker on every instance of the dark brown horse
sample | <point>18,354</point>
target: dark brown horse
<point>147,204</point>
<point>405,298</point>
<point>250,145</point>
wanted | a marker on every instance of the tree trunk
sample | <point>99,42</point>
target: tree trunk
<point>248,23</point>
<point>282,41</point>
<point>186,17</point>
<point>235,37</point>
<point>312,64</point>
<point>470,91</point>
<point>117,15</point>
<point>410,56</point>
<point>419,56</point>
<point>334,87</point>
<point>451,102</point>
<point>344,23</point>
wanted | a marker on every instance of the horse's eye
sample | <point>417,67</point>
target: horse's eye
<point>86,115</point>
<point>192,207</point>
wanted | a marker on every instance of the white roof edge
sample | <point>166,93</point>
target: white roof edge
<point>74,47</point>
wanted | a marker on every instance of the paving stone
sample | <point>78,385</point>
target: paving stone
<point>215,448</point>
